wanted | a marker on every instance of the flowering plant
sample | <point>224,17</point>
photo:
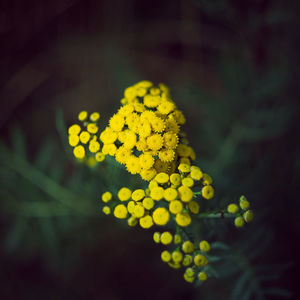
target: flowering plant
<point>145,136</point>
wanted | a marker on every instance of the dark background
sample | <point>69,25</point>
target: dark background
<point>233,68</point>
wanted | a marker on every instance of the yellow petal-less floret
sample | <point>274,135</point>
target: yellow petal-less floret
<point>139,211</point>
<point>130,206</point>
<point>84,137</point>
<point>177,239</point>
<point>82,116</point>
<point>106,210</point>
<point>133,165</point>
<point>132,221</point>
<point>100,156</point>
<point>146,222</point>
<point>146,161</point>
<point>204,246</point>
<point>148,174</point>
<point>161,216</point>
<point>106,197</point>
<point>138,195</point>
<point>183,219</point>
<point>232,208</point>
<point>166,155</point>
<point>207,180</point>
<point>177,256</point>
<point>202,276</point>
<point>170,194</point>
<point>193,207</point>
<point>170,140</point>
<point>108,136</point>
<point>187,181</point>
<point>196,174</point>
<point>73,140</point>
<point>148,203</point>
<point>162,178</point>
<point>207,192</point>
<point>74,129</point>
<point>120,211</point>
<point>123,154</point>
<point>175,207</point>
<point>156,237</point>
<point>175,179</point>
<point>95,116</point>
<point>94,146</point>
<point>187,260</point>
<point>155,141</point>
<point>92,128</point>
<point>200,260</point>
<point>166,256</point>
<point>185,193</point>
<point>157,193</point>
<point>184,168</point>
<point>124,194</point>
<point>188,247</point>
<point>79,152</point>
<point>166,238</point>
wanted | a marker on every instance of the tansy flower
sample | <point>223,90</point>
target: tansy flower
<point>157,124</point>
<point>170,140</point>
<point>166,155</point>
<point>106,197</point>
<point>183,150</point>
<point>188,247</point>
<point>144,129</point>
<point>179,117</point>
<point>207,192</point>
<point>141,145</point>
<point>106,210</point>
<point>151,101</point>
<point>133,165</point>
<point>156,237</point>
<point>139,107</point>
<point>175,207</point>
<point>185,160</point>
<point>110,149</point>
<point>120,211</point>
<point>187,260</point>
<point>99,156</point>
<point>122,155</point>
<point>108,136</point>
<point>202,276</point>
<point>200,260</point>
<point>126,110</point>
<point>166,107</point>
<point>84,137</point>
<point>166,238</point>
<point>166,256</point>
<point>148,203</point>
<point>124,194</point>
<point>154,91</point>
<point>193,207</point>
<point>141,92</point>
<point>130,206</point>
<point>189,182</point>
<point>138,195</point>
<point>177,239</point>
<point>175,179</point>
<point>161,166</point>
<point>157,193</point>
<point>92,128</point>
<point>139,211</point>
<point>185,193</point>
<point>177,256</point>
<point>130,140</point>
<point>94,146</point>
<point>146,161</point>
<point>146,222</point>
<point>196,174</point>
<point>82,116</point>
<point>144,84</point>
<point>162,178</point>
<point>94,117</point>
<point>204,246</point>
<point>170,194</point>
<point>73,140</point>
<point>184,168</point>
<point>171,126</point>
<point>183,219</point>
<point>130,93</point>
<point>155,141</point>
<point>132,221</point>
<point>207,180</point>
<point>74,129</point>
<point>161,216</point>
<point>148,174</point>
<point>79,152</point>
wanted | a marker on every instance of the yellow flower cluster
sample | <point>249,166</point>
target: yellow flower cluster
<point>83,138</point>
<point>184,253</point>
<point>144,135</point>
<point>245,215</point>
<point>166,197</point>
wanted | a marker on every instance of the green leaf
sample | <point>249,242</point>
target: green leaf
<point>18,141</point>
<point>44,155</point>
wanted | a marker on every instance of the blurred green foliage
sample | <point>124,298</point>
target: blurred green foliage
<point>232,68</point>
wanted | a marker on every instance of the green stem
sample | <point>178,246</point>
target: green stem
<point>215,214</point>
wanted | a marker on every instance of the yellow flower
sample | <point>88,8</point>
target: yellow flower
<point>179,117</point>
<point>244,203</point>
<point>202,276</point>
<point>177,256</point>
<point>156,237</point>
<point>146,161</point>
<point>130,93</point>
<point>106,210</point>
<point>141,92</point>
<point>174,265</point>
<point>184,168</point>
<point>248,216</point>
<point>162,178</point>
<point>106,197</point>
<point>108,136</point>
<point>183,150</point>
<point>172,126</point>
<point>132,221</point>
<point>157,124</point>
<point>204,246</point>
<point>84,137</point>
<point>175,207</point>
<point>144,83</point>
<point>166,107</point>
<point>94,146</point>
<point>161,166</point>
<point>207,180</point>
<point>110,149</point>
<point>126,110</point>
<point>144,129</point>
<point>122,155</point>
<point>193,207</point>
<point>74,129</point>
<point>157,193</point>
<point>166,155</point>
<point>82,116</point>
<point>239,222</point>
<point>155,141</point>
<point>146,222</point>
<point>189,182</point>
<point>133,165</point>
<point>189,279</point>
<point>154,91</point>
<point>148,174</point>
<point>120,211</point>
<point>138,195</point>
<point>165,256</point>
<point>184,160</point>
<point>130,206</point>
<point>151,101</point>
<point>148,203</point>
<point>133,121</point>
<point>177,239</point>
<point>139,211</point>
<point>166,238</point>
<point>183,219</point>
<point>161,216</point>
<point>196,173</point>
<point>207,192</point>
<point>232,208</point>
<point>100,156</point>
<point>170,194</point>
<point>170,140</point>
<point>185,193</point>
<point>152,184</point>
<point>73,140</point>
<point>200,260</point>
<point>92,128</point>
<point>79,152</point>
<point>175,179</point>
<point>187,260</point>
<point>94,117</point>
<point>130,141</point>
<point>188,247</point>
<point>124,194</point>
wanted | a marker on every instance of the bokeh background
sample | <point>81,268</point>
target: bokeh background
<point>233,68</point>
